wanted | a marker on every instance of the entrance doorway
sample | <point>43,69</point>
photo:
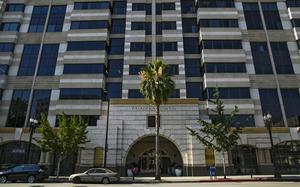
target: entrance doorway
<point>142,154</point>
<point>147,162</point>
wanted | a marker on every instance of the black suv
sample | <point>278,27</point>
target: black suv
<point>26,172</point>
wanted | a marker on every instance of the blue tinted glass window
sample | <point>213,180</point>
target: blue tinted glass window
<point>38,19</point>
<point>189,25</point>
<point>165,46</point>
<point>10,26</point>
<point>142,26</point>
<point>114,90</point>
<point>56,19</point>
<point>230,93</point>
<point>225,68</point>
<point>175,94</point>
<point>188,6</point>
<point>80,93</point>
<point>141,46</point>
<point>169,46</point>
<point>119,7</point>
<point>261,58</point>
<point>240,120</point>
<point>282,58</point>
<point>28,60</point>
<point>91,120</point>
<point>215,3</point>
<point>270,104</point>
<point>116,46</point>
<point>86,45</point>
<point>48,59</point>
<point>194,90</point>
<point>192,67</point>
<point>83,69</point>
<point>190,45</point>
<point>291,102</point>
<point>271,15</point>
<point>295,22</point>
<point>99,24</point>
<point>40,103</point>
<point>19,103</point>
<point>118,26</point>
<point>293,3</point>
<point>221,44</point>
<point>142,7</point>
<point>159,49</point>
<point>167,25</point>
<point>3,69</point>
<point>173,69</point>
<point>14,7</point>
<point>7,47</point>
<point>218,23</point>
<point>252,16</point>
<point>18,108</point>
<point>47,62</point>
<point>91,5</point>
<point>134,93</point>
<point>115,68</point>
<point>164,6</point>
<point>135,69</point>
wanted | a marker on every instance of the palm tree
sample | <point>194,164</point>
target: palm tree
<point>156,86</point>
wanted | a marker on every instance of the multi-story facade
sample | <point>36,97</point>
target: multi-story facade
<point>64,55</point>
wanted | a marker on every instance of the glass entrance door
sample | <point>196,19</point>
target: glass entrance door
<point>148,162</point>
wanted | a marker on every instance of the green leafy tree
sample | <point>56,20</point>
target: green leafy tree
<point>67,139</point>
<point>218,134</point>
<point>156,86</point>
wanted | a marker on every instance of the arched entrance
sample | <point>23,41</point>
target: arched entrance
<point>14,152</point>
<point>244,160</point>
<point>142,153</point>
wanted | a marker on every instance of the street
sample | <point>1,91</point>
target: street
<point>213,184</point>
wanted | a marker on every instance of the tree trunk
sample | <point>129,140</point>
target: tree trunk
<point>157,124</point>
<point>58,166</point>
<point>224,166</point>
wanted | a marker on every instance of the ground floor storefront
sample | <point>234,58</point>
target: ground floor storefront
<point>130,140</point>
<point>244,159</point>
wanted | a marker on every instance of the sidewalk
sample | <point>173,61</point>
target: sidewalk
<point>202,179</point>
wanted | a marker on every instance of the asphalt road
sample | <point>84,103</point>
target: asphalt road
<point>214,184</point>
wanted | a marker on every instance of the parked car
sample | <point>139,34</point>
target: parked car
<point>99,175</point>
<point>25,172</point>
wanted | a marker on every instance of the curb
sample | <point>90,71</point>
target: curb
<point>191,181</point>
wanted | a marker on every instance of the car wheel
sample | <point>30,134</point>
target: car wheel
<point>105,180</point>
<point>31,179</point>
<point>76,180</point>
<point>3,179</point>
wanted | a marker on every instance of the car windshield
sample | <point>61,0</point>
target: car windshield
<point>90,171</point>
<point>18,168</point>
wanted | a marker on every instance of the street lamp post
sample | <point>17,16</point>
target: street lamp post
<point>32,127</point>
<point>106,130</point>
<point>268,123</point>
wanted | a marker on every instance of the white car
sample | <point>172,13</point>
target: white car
<point>99,175</point>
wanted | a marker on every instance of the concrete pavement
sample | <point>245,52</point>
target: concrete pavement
<point>184,179</point>
<point>195,184</point>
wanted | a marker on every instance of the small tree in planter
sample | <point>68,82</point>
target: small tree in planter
<point>218,134</point>
<point>70,135</point>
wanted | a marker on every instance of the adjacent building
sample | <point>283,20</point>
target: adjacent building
<point>82,57</point>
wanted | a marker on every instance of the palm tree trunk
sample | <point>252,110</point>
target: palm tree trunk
<point>157,124</point>
<point>224,167</point>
